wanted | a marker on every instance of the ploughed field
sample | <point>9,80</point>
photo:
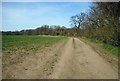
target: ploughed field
<point>16,49</point>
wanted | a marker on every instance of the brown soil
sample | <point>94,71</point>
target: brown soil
<point>66,60</point>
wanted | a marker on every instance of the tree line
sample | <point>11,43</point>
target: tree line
<point>101,22</point>
<point>43,30</point>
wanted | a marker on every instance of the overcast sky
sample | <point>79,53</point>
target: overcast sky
<point>30,15</point>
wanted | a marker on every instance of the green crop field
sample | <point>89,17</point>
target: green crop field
<point>20,41</point>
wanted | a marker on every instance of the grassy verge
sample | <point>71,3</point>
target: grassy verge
<point>109,52</point>
<point>107,47</point>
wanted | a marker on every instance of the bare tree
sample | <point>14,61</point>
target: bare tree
<point>76,21</point>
